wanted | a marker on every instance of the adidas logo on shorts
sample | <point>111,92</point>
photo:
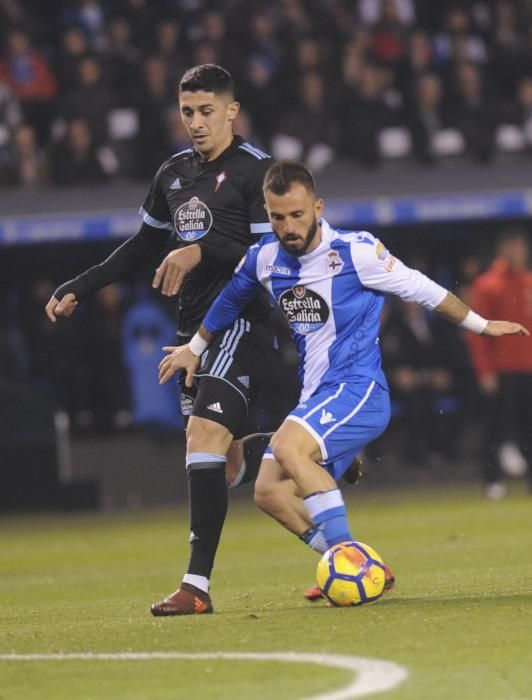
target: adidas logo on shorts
<point>215,407</point>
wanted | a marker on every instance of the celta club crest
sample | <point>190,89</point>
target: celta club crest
<point>219,179</point>
<point>299,291</point>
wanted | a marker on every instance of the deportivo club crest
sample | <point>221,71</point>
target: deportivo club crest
<point>305,310</point>
<point>192,220</point>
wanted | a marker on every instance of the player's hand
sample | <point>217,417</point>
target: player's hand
<point>65,307</point>
<point>178,358</point>
<point>172,271</point>
<point>498,328</point>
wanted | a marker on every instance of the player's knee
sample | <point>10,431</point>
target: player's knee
<point>207,436</point>
<point>285,452</point>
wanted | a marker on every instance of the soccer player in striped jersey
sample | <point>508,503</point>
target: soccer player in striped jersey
<point>208,201</point>
<point>330,285</point>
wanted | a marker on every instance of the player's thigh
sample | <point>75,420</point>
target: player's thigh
<point>292,441</point>
<point>344,419</point>
<point>232,373</point>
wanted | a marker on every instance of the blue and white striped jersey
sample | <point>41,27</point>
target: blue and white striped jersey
<point>332,298</point>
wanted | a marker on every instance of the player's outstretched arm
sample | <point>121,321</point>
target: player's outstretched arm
<point>453,309</point>
<point>130,256</point>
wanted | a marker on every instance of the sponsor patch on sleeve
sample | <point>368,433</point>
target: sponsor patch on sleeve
<point>384,254</point>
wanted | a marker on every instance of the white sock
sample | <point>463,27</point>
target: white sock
<point>200,582</point>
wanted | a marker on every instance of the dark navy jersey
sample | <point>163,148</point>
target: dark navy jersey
<point>219,205</point>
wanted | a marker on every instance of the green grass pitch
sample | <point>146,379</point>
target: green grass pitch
<point>460,618</point>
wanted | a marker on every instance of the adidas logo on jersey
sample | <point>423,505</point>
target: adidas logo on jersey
<point>244,381</point>
<point>215,407</point>
<point>326,417</point>
<point>176,184</point>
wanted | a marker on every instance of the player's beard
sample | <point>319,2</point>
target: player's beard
<point>306,243</point>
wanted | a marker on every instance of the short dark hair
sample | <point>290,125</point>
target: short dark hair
<point>209,78</point>
<point>282,175</point>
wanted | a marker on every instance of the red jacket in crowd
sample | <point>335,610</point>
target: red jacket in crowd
<point>502,294</point>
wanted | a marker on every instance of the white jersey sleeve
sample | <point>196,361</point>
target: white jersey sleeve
<point>378,269</point>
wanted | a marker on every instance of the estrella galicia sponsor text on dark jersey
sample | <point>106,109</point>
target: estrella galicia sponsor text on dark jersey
<point>219,205</point>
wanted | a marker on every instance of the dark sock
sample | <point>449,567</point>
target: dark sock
<point>207,494</point>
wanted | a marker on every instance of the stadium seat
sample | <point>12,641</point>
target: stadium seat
<point>448,142</point>
<point>123,124</point>
<point>510,138</point>
<point>395,142</point>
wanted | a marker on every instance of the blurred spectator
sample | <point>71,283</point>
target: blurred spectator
<point>363,114</point>
<point>75,158</point>
<point>30,78</point>
<point>107,400</point>
<point>74,46</point>
<point>155,99</point>
<point>473,113</point>
<point>90,15</point>
<point>91,100</point>
<point>259,93</point>
<point>10,119</point>
<point>523,110</point>
<point>458,32</point>
<point>121,61</point>
<point>306,130</point>
<point>214,32</point>
<point>168,48</point>
<point>504,365</point>
<point>427,117</point>
<point>28,165</point>
<point>418,62</point>
<point>388,41</point>
<point>425,361</point>
<point>205,52</point>
<point>262,43</point>
<point>508,45</point>
<point>145,331</point>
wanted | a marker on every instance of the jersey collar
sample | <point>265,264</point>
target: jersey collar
<point>232,148</point>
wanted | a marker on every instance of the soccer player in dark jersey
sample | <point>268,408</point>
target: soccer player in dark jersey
<point>210,198</point>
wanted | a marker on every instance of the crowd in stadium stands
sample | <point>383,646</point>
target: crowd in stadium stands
<point>88,87</point>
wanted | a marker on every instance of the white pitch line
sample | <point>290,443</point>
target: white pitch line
<point>371,675</point>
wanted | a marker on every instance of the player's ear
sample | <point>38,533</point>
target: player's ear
<point>233,108</point>
<point>318,207</point>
